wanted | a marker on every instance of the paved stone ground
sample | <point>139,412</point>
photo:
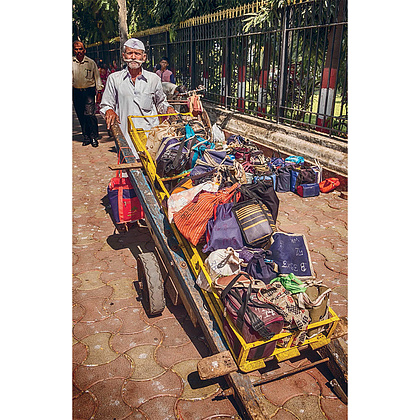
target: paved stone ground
<point>129,366</point>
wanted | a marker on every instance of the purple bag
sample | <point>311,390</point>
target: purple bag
<point>200,169</point>
<point>276,162</point>
<point>223,230</point>
<point>259,268</point>
<point>217,156</point>
<point>247,253</point>
<point>235,138</point>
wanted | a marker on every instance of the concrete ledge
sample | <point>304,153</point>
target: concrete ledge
<point>331,153</point>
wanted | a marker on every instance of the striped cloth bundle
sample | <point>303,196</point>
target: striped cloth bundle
<point>192,219</point>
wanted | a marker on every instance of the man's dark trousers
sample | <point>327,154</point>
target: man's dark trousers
<point>84,104</point>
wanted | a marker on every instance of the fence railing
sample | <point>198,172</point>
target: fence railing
<point>293,71</point>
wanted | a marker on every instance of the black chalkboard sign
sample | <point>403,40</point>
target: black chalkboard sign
<point>291,254</point>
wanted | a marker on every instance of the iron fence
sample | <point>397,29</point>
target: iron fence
<point>293,71</point>
<point>107,52</point>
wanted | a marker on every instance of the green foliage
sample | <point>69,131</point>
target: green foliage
<point>95,20</point>
<point>139,16</point>
<point>269,13</point>
<point>175,11</point>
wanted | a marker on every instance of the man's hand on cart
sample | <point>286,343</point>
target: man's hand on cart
<point>110,117</point>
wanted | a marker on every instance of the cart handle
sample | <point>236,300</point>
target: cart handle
<point>160,115</point>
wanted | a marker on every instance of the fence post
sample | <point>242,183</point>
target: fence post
<point>222,92</point>
<point>168,52</point>
<point>241,75</point>
<point>227,70</point>
<point>192,58</point>
<point>281,98</point>
<point>329,75</point>
<point>149,48</point>
<point>263,80</point>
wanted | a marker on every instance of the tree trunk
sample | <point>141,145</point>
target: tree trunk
<point>122,24</point>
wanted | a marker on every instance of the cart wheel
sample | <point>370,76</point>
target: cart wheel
<point>152,284</point>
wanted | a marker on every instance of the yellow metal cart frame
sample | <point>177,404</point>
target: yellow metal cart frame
<point>195,258</point>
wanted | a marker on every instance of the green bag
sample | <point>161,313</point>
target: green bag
<point>291,283</point>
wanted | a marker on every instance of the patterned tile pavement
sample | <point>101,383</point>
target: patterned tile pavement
<point>128,366</point>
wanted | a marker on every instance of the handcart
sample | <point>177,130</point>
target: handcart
<point>176,264</point>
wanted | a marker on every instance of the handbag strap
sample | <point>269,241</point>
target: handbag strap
<point>199,144</point>
<point>118,173</point>
<point>256,323</point>
<point>192,141</point>
<point>244,307</point>
<point>224,261</point>
<point>232,282</point>
<point>179,152</point>
<point>254,320</point>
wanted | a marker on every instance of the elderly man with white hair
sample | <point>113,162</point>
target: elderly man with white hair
<point>134,91</point>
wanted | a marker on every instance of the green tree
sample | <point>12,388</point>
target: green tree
<point>269,14</point>
<point>139,16</point>
<point>98,20</point>
<point>175,11</point>
<point>95,20</point>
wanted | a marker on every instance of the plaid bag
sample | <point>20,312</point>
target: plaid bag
<point>125,205</point>
<point>294,317</point>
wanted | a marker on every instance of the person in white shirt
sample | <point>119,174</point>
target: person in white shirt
<point>134,91</point>
<point>86,81</point>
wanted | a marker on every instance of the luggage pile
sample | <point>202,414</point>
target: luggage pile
<point>222,199</point>
<point>296,175</point>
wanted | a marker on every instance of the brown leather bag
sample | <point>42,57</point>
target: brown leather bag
<point>242,280</point>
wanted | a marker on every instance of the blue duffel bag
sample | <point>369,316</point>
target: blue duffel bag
<point>308,190</point>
